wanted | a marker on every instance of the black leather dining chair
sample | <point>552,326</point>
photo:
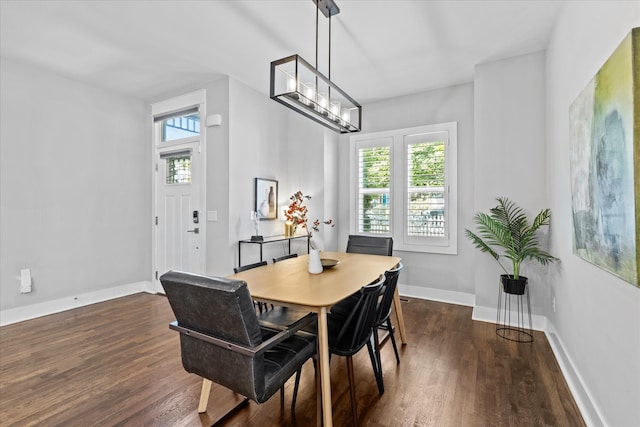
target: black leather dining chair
<point>351,331</point>
<point>222,341</point>
<point>261,306</point>
<point>374,245</point>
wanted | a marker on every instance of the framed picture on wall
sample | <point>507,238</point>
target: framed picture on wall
<point>266,198</point>
<point>605,180</point>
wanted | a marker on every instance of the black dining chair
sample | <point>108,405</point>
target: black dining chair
<point>349,332</point>
<point>374,245</point>
<point>383,320</point>
<point>261,306</point>
<point>222,341</point>
<point>249,266</point>
<point>282,258</point>
<point>280,315</point>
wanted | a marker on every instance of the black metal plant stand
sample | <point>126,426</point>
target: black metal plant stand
<point>513,329</point>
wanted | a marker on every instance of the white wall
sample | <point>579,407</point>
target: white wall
<point>509,159</point>
<point>75,187</point>
<point>329,234</point>
<point>219,252</point>
<point>449,273</point>
<point>598,315</point>
<point>311,162</point>
<point>267,140</point>
<point>257,149</point>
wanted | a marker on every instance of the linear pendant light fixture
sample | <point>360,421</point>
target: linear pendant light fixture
<point>301,87</point>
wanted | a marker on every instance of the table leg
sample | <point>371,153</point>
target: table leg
<point>398,309</point>
<point>325,373</point>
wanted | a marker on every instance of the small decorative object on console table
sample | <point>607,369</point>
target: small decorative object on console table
<point>289,229</point>
<point>255,217</point>
<point>296,215</point>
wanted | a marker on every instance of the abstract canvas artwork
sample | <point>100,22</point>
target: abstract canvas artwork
<point>605,164</point>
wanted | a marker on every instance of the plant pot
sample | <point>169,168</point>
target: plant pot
<point>513,286</point>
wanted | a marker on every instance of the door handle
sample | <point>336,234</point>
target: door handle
<point>195,230</point>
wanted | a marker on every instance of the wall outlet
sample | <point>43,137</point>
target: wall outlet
<point>553,304</point>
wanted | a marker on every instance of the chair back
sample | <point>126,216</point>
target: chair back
<point>388,290</point>
<point>249,266</point>
<point>373,245</point>
<point>282,258</point>
<point>356,329</point>
<point>220,308</point>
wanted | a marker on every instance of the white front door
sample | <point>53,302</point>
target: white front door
<point>178,163</point>
<point>179,218</point>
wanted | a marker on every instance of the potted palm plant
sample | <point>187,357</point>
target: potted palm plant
<point>508,230</point>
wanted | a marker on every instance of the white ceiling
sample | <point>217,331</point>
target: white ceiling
<point>380,49</point>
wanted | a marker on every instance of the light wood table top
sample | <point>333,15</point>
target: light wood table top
<point>288,282</point>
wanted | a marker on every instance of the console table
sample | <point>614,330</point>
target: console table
<point>271,239</point>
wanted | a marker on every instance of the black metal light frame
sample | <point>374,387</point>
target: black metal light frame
<point>310,108</point>
<point>333,108</point>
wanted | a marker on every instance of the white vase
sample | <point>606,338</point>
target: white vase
<point>315,265</point>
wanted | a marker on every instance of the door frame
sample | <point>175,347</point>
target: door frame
<point>184,102</point>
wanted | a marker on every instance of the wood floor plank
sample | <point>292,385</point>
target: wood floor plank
<point>117,363</point>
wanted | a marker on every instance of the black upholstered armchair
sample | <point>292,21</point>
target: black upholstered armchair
<point>222,341</point>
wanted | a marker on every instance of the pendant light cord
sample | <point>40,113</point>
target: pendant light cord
<point>329,47</point>
<point>317,21</point>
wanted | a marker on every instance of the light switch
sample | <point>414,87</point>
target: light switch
<point>25,281</point>
<point>212,215</point>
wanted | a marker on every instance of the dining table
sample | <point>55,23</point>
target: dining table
<point>289,283</point>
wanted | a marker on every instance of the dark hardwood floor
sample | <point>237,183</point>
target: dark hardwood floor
<point>117,363</point>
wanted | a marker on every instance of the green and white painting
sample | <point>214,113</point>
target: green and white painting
<point>605,164</point>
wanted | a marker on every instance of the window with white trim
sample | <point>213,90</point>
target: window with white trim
<point>404,185</point>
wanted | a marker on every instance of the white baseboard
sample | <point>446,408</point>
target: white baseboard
<point>441,295</point>
<point>488,314</point>
<point>588,409</point>
<point>27,312</point>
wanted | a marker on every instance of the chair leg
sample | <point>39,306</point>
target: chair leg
<point>377,347</point>
<point>352,389</point>
<point>204,395</point>
<point>282,397</point>
<point>376,361</point>
<point>393,340</point>
<point>295,392</point>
